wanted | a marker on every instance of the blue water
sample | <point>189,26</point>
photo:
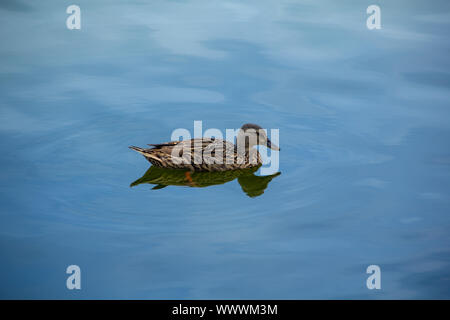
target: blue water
<point>364,135</point>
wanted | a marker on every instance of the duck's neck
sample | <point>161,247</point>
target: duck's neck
<point>244,144</point>
<point>245,150</point>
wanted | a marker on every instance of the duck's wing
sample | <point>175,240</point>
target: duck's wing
<point>202,154</point>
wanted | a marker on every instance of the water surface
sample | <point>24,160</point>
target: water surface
<point>364,132</point>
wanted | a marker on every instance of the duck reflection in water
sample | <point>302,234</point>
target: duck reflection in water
<point>251,184</point>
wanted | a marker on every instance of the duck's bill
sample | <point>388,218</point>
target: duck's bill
<point>272,145</point>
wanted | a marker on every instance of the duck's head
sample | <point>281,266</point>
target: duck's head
<point>254,135</point>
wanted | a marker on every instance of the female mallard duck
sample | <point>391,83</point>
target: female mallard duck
<point>210,154</point>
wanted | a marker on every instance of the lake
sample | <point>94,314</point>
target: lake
<point>364,167</point>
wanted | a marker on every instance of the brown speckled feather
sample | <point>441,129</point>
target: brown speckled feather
<point>200,154</point>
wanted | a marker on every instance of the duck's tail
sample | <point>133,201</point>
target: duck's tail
<point>150,155</point>
<point>137,149</point>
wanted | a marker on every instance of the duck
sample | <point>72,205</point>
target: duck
<point>210,154</point>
